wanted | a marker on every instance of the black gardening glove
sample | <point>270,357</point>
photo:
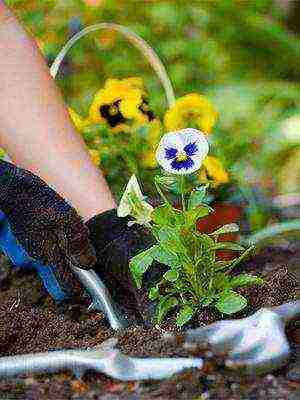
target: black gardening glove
<point>46,226</point>
<point>115,244</point>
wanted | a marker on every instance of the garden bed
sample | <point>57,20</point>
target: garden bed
<point>29,322</point>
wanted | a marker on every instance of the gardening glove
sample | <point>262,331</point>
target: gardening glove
<point>39,229</point>
<point>115,244</point>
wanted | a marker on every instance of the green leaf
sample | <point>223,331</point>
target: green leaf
<point>164,256</point>
<point>166,181</point>
<point>228,246</point>
<point>221,281</point>
<point>155,231</point>
<point>228,228</point>
<point>154,293</point>
<point>170,239</point>
<point>197,196</point>
<point>236,261</point>
<point>220,265</point>
<point>245,280</point>
<point>181,286</point>
<point>171,276</point>
<point>167,216</point>
<point>140,263</point>
<point>89,134</point>
<point>207,300</point>
<point>231,302</point>
<point>164,306</point>
<point>194,214</point>
<point>206,241</point>
<point>184,315</point>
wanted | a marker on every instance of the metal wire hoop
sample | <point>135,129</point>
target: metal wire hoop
<point>133,38</point>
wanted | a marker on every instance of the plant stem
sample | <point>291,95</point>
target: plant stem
<point>161,193</point>
<point>182,185</point>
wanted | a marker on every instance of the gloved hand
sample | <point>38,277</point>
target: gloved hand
<point>41,230</point>
<point>115,244</point>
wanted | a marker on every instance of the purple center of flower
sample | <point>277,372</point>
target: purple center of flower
<point>181,159</point>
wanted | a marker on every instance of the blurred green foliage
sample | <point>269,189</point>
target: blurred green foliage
<point>237,52</point>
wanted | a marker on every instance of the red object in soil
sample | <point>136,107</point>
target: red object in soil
<point>224,214</point>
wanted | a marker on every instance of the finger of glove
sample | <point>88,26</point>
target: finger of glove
<point>111,237</point>
<point>70,234</point>
<point>52,236</point>
<point>69,283</point>
<point>114,267</point>
<point>78,247</point>
<point>104,228</point>
<point>115,244</point>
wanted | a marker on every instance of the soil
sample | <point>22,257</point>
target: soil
<point>30,322</point>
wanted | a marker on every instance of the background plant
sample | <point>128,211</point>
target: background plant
<point>242,55</point>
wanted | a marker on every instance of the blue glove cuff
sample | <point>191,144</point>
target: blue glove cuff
<point>19,257</point>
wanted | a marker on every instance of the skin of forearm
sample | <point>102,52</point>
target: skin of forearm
<point>35,128</point>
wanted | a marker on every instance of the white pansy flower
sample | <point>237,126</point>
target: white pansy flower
<point>182,152</point>
<point>133,203</point>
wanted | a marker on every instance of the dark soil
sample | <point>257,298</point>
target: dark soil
<point>30,322</point>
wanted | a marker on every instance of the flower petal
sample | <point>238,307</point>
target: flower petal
<point>132,203</point>
<point>190,149</point>
<point>191,107</point>
<point>171,153</point>
<point>132,187</point>
<point>179,165</point>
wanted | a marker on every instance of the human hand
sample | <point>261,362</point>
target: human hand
<point>115,244</point>
<point>46,227</point>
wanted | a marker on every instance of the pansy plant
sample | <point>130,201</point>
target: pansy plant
<point>195,276</point>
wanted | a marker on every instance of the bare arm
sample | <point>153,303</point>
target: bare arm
<point>35,128</point>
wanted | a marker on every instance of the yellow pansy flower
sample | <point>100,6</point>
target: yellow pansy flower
<point>79,122</point>
<point>191,108</point>
<point>122,104</point>
<point>214,171</point>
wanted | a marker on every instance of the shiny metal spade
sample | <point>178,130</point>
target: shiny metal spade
<point>254,345</point>
<point>101,299</point>
<point>105,359</point>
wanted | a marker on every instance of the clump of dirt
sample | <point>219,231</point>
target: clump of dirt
<point>30,322</point>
